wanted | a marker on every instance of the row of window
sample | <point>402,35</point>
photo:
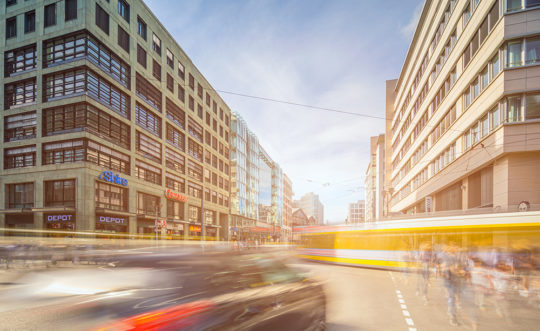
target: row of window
<point>481,34</point>
<point>49,18</point>
<point>56,193</point>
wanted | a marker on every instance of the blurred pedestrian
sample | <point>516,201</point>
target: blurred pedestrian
<point>425,262</point>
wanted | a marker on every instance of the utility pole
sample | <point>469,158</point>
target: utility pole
<point>202,214</point>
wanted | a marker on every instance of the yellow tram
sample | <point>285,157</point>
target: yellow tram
<point>394,244</point>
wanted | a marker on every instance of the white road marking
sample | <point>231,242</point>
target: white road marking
<point>398,291</point>
<point>400,296</point>
<point>401,301</point>
<point>409,321</point>
<point>403,306</point>
<point>412,329</point>
<point>406,313</point>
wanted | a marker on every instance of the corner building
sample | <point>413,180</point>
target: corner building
<point>466,124</point>
<point>107,123</point>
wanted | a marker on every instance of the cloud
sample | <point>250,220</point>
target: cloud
<point>407,31</point>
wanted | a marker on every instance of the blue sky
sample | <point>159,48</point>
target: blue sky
<point>331,54</point>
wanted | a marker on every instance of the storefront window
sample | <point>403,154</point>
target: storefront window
<point>147,204</point>
<point>194,214</point>
<point>175,209</point>
<point>111,196</point>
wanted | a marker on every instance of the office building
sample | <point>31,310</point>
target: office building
<point>466,115</point>
<point>312,207</point>
<point>108,125</point>
<point>356,212</point>
<point>375,179</point>
<point>257,192</point>
<point>287,207</point>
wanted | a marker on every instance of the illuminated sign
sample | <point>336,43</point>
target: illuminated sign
<point>176,196</point>
<point>112,220</point>
<point>195,228</point>
<point>59,218</point>
<point>109,176</point>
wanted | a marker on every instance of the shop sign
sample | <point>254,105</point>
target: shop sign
<point>59,218</point>
<point>176,196</point>
<point>112,220</point>
<point>109,176</point>
<point>195,228</point>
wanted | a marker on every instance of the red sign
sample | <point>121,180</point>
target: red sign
<point>176,196</point>
<point>195,228</point>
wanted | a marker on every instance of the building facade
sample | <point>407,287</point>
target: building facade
<point>466,116</point>
<point>312,206</point>
<point>108,126</point>
<point>357,212</point>
<point>287,207</point>
<point>375,180</point>
<point>257,193</point>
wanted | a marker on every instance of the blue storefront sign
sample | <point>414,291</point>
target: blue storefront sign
<point>109,176</point>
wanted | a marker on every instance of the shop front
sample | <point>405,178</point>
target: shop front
<point>112,223</point>
<point>19,221</point>
<point>194,231</point>
<point>59,221</point>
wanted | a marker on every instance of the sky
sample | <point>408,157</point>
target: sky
<point>326,54</point>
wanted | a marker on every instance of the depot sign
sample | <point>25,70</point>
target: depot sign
<point>112,220</point>
<point>60,218</point>
<point>175,196</point>
<point>108,176</point>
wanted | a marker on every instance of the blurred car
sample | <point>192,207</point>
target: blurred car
<point>179,290</point>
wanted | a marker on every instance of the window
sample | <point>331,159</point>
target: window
<point>191,82</point>
<point>170,59</point>
<point>195,170</point>
<point>174,182</point>
<point>207,117</point>
<point>221,114</point>
<point>20,93</point>
<point>30,21</point>
<point>123,39</point>
<point>207,99</point>
<point>199,111</point>
<point>123,9</point>
<point>483,32</point>
<point>112,197</point>
<point>170,83</point>
<point>475,86</point>
<point>11,27</point>
<point>194,214</point>
<point>532,54</point>
<point>181,93</point>
<point>85,45</point>
<point>141,28</point>
<point>531,3</point>
<point>175,113</point>
<point>20,126</point>
<point>147,172</point>
<point>102,19</point>
<point>148,147</point>
<point>199,91</point>
<point>20,157</point>
<point>60,193</point>
<point>148,92</point>
<point>83,80</point>
<point>70,10</point>
<point>475,133</point>
<point>513,109</point>
<point>107,157</point>
<point>466,15</point>
<point>175,137</point>
<point>147,204</point>
<point>20,60</point>
<point>495,66</point>
<point>85,117</point>
<point>191,103</point>
<point>513,54</point>
<point>175,209</point>
<point>195,150</point>
<point>147,120</point>
<point>495,118</point>
<point>181,71</point>
<point>156,70</point>
<point>513,5</point>
<point>11,3</point>
<point>50,15</point>
<point>532,106</point>
<point>484,122</point>
<point>20,195</point>
<point>141,56</point>
<point>195,130</point>
<point>466,98</point>
<point>493,15</point>
<point>466,56</point>
<point>174,161</point>
<point>194,190</point>
<point>156,44</point>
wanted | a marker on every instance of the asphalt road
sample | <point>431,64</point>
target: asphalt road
<point>357,299</point>
<point>365,299</point>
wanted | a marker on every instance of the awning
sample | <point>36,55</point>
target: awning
<point>114,212</point>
